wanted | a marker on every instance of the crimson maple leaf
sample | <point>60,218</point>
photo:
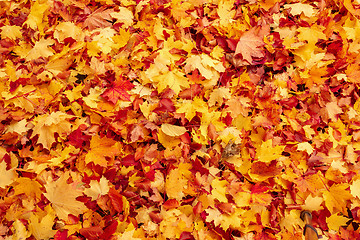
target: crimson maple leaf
<point>118,90</point>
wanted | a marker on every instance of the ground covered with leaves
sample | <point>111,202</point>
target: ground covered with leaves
<point>157,119</point>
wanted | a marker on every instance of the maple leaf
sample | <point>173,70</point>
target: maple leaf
<point>355,188</point>
<point>219,189</point>
<point>11,32</point>
<point>41,49</point>
<point>118,90</point>
<point>313,203</point>
<point>100,148</point>
<point>175,80</point>
<point>29,187</point>
<point>97,188</point>
<point>176,181</point>
<point>336,221</point>
<point>336,197</point>
<point>172,130</point>
<point>100,18</point>
<point>19,230</point>
<point>249,46</point>
<point>41,227</point>
<point>267,152</point>
<point>123,15</point>
<point>48,124</point>
<point>35,18</point>
<point>6,176</point>
<point>63,197</point>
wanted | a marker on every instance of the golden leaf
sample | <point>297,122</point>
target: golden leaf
<point>100,148</point>
<point>62,196</point>
<point>336,197</point>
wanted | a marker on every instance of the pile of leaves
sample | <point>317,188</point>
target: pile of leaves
<point>183,119</point>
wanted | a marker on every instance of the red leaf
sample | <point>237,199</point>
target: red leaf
<point>92,233</point>
<point>116,200</point>
<point>109,230</point>
<point>171,203</point>
<point>118,90</point>
<point>61,235</point>
<point>155,217</point>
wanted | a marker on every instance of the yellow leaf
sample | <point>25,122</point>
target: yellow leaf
<point>41,227</point>
<point>266,152</point>
<point>30,187</point>
<point>305,146</point>
<point>219,189</point>
<point>123,15</point>
<point>213,215</point>
<point>6,176</point>
<point>11,31</point>
<point>35,18</point>
<point>334,222</point>
<point>207,66</point>
<point>97,189</point>
<point>63,196</point>
<point>336,197</point>
<point>242,199</point>
<point>175,80</point>
<point>19,231</point>
<point>46,125</point>
<point>104,40</point>
<point>338,165</point>
<point>355,188</point>
<point>59,65</point>
<point>311,35</point>
<point>333,110</point>
<point>100,148</point>
<point>226,12</point>
<point>241,122</point>
<point>41,49</point>
<point>93,98</point>
<point>298,8</point>
<point>313,203</point>
<point>218,96</point>
<point>68,29</point>
<point>18,127</point>
<point>121,39</point>
<point>177,181</point>
<point>291,221</point>
<point>191,107</point>
<point>173,130</point>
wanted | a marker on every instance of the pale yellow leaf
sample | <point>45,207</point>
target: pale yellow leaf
<point>333,110</point>
<point>218,96</point>
<point>11,31</point>
<point>19,231</point>
<point>298,8</point>
<point>313,203</point>
<point>18,127</point>
<point>41,49</point>
<point>6,176</point>
<point>172,130</point>
<point>355,188</point>
<point>123,15</point>
<point>97,189</point>
<point>305,146</point>
<point>63,196</point>
<point>65,30</point>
